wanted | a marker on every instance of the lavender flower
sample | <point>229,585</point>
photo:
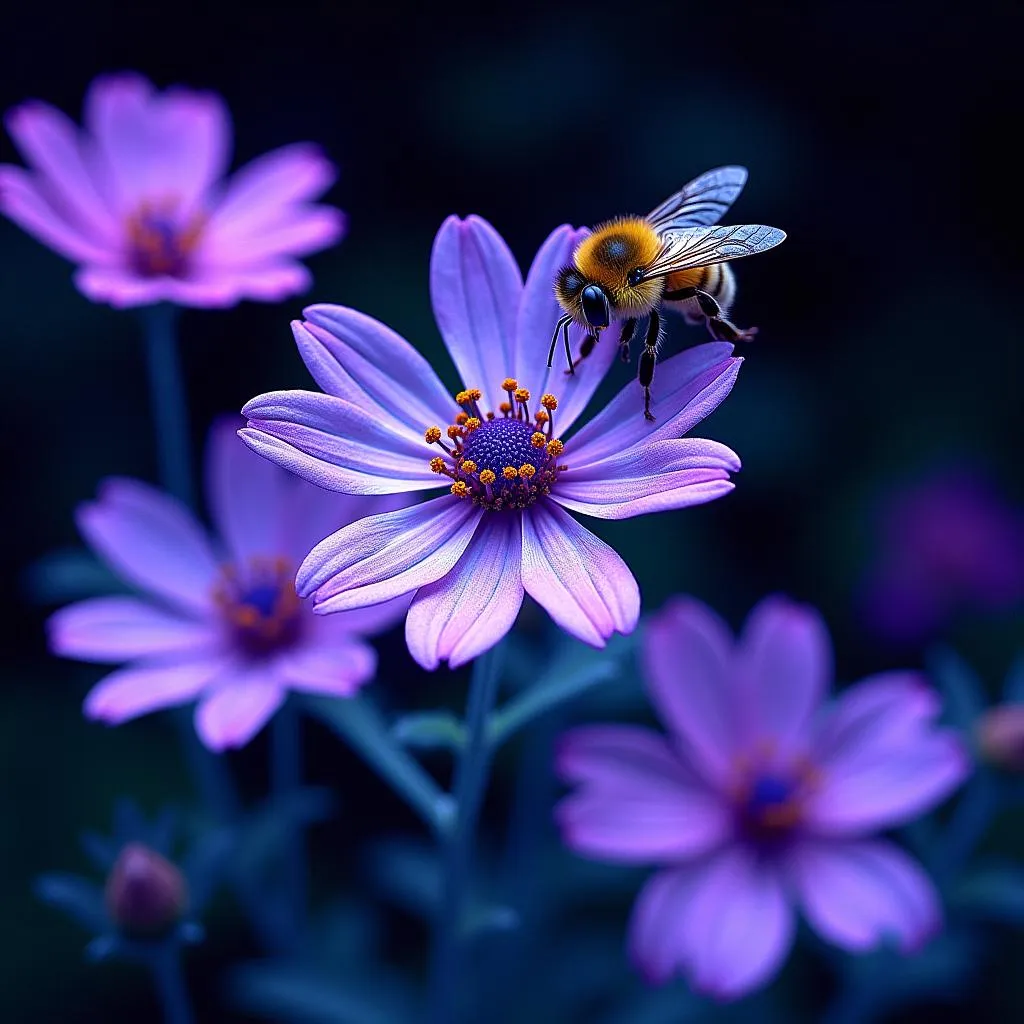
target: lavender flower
<point>231,633</point>
<point>949,542</point>
<point>760,798</point>
<point>138,199</point>
<point>502,528</point>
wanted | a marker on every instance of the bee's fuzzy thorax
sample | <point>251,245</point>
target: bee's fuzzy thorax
<point>616,247</point>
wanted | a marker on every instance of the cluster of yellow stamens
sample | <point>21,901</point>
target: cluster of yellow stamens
<point>500,461</point>
<point>259,603</point>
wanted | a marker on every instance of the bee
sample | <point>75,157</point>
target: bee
<point>628,268</point>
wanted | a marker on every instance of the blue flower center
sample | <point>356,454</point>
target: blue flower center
<point>260,606</point>
<point>769,807</point>
<point>159,243</point>
<point>500,461</point>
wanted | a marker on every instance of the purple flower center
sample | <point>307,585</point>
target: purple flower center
<point>159,243</point>
<point>504,461</point>
<point>260,606</point>
<point>769,805</point>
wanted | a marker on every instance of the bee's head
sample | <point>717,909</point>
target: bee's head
<point>595,305</point>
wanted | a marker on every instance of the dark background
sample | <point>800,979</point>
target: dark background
<point>876,134</point>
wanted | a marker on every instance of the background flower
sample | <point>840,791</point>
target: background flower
<point>759,798</point>
<point>138,198</point>
<point>503,529</point>
<point>216,622</point>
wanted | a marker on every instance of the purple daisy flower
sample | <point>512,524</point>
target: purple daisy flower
<point>220,624</point>
<point>138,199</point>
<point>948,542</point>
<point>503,527</point>
<point>760,798</point>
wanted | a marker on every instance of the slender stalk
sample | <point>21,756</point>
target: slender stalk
<point>469,786</point>
<point>286,777</point>
<point>165,966</point>
<point>170,407</point>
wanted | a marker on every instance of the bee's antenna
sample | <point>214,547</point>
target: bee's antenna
<point>563,321</point>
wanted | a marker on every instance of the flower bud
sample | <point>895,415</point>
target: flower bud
<point>1000,736</point>
<point>145,893</point>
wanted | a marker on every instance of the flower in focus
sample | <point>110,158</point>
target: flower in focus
<point>760,799</point>
<point>947,543</point>
<point>138,198</point>
<point>225,628</point>
<point>501,449</point>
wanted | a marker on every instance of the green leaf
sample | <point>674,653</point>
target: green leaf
<point>430,730</point>
<point>362,726</point>
<point>575,670</point>
<point>994,893</point>
<point>962,692</point>
<point>69,574</point>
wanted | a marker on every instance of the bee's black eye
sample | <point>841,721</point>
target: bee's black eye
<point>596,307</point>
<point>635,276</point>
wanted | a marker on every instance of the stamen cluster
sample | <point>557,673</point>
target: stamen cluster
<point>770,801</point>
<point>259,604</point>
<point>500,461</point>
<point>158,244</point>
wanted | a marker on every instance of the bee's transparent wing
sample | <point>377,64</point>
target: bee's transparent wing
<point>700,202</point>
<point>700,247</point>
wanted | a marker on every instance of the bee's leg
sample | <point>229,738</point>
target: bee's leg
<point>720,328</point>
<point>585,349</point>
<point>568,350</point>
<point>563,322</point>
<point>628,330</point>
<point>647,359</point>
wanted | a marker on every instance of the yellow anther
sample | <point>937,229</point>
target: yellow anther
<point>462,398</point>
<point>454,432</point>
<point>461,418</point>
<point>510,472</point>
<point>555,447</point>
<point>509,384</point>
<point>460,489</point>
<point>505,407</point>
<point>437,465</point>
<point>472,424</point>
<point>487,476</point>
<point>475,394</point>
<point>549,402</point>
<point>541,416</point>
<point>526,470</point>
<point>468,466</point>
<point>522,395</point>
<point>433,435</point>
<point>537,440</point>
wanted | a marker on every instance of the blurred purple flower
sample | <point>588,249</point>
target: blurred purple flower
<point>760,798</point>
<point>503,529</point>
<point>231,633</point>
<point>947,543</point>
<point>138,199</point>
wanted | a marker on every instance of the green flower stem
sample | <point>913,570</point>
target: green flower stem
<point>470,782</point>
<point>165,967</point>
<point>286,777</point>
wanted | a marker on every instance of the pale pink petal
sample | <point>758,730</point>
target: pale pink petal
<point>858,894</point>
<point>581,582</point>
<point>387,555</point>
<point>51,144</point>
<point>784,665</point>
<point>651,478</point>
<point>119,628</point>
<point>174,144</point>
<point>151,541</point>
<point>141,688</point>
<point>637,802</point>
<point>338,670</point>
<point>22,200</point>
<point>262,191</point>
<point>475,286</point>
<point>466,612</point>
<point>236,710</point>
<point>686,388</point>
<point>295,231</point>
<point>353,356</point>
<point>538,313</point>
<point>335,444</point>
<point>687,659</point>
<point>860,794</point>
<point>726,923</point>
